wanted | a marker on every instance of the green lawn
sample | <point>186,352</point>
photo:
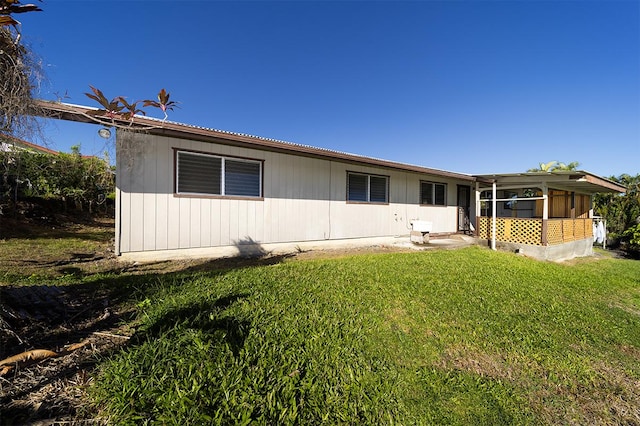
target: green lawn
<point>441,337</point>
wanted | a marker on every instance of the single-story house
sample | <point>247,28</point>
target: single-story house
<point>184,190</point>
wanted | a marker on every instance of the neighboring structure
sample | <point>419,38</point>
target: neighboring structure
<point>13,144</point>
<point>10,143</point>
<point>189,191</point>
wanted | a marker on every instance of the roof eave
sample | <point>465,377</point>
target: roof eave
<point>78,113</point>
<point>560,179</point>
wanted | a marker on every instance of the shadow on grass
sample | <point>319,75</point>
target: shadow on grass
<point>99,304</point>
<point>95,305</point>
<point>207,317</point>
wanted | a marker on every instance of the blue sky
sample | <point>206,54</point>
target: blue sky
<point>471,86</point>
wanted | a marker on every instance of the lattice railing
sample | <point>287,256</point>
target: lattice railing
<point>575,229</point>
<point>554,232</point>
<point>512,230</point>
<point>530,231</point>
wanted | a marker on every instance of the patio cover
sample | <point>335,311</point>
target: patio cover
<point>567,180</point>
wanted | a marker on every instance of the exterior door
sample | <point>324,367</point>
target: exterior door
<point>464,203</point>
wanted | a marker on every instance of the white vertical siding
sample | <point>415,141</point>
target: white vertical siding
<point>216,223</point>
<point>233,222</point>
<point>184,222</point>
<point>195,229</point>
<point>205,223</point>
<point>225,227</point>
<point>164,188</point>
<point>149,197</point>
<point>304,200</point>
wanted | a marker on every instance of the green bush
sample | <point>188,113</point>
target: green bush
<point>77,180</point>
<point>621,212</point>
<point>631,240</point>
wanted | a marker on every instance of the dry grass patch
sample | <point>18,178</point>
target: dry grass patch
<point>483,364</point>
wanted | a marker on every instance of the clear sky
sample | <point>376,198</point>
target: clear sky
<point>470,86</point>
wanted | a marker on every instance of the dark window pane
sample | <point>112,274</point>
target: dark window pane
<point>440,194</point>
<point>426,193</point>
<point>198,174</point>
<point>242,178</point>
<point>357,187</point>
<point>377,189</point>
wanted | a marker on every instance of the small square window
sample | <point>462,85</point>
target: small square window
<point>433,193</point>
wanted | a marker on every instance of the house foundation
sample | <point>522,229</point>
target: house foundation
<point>556,253</point>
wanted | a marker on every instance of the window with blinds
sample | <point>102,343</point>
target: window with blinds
<point>432,193</point>
<point>205,174</point>
<point>366,188</point>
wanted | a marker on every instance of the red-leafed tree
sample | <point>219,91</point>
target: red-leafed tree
<point>120,108</point>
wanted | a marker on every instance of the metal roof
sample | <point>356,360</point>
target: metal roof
<point>579,181</point>
<point>155,126</point>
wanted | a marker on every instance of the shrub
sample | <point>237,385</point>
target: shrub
<point>71,178</point>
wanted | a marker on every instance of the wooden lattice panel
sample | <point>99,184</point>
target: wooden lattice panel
<point>568,230</point>
<point>554,232</point>
<point>523,231</point>
<point>529,231</point>
<point>511,230</point>
<point>483,227</point>
<point>579,231</point>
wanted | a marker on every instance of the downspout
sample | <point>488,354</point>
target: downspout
<point>494,207</point>
<point>118,244</point>
<point>118,236</point>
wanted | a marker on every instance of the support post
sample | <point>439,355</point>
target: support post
<point>478,207</point>
<point>545,201</point>
<point>545,213</point>
<point>494,214</point>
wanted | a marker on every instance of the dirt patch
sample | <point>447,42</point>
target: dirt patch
<point>54,318</point>
<point>38,313</point>
<point>351,251</point>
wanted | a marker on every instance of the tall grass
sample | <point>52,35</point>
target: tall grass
<point>450,337</point>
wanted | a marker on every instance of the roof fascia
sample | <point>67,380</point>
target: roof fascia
<point>211,136</point>
<point>597,180</point>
